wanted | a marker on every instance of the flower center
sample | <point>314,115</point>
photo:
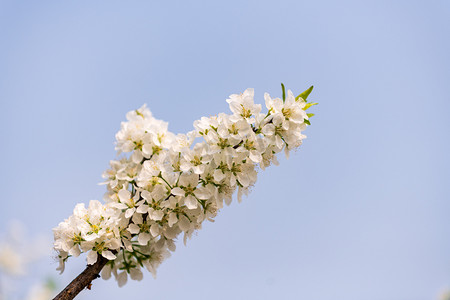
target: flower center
<point>287,113</point>
<point>246,113</point>
<point>196,161</point>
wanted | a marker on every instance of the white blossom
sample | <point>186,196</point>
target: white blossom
<point>243,106</point>
<point>167,184</point>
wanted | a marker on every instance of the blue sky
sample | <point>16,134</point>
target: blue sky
<point>359,212</point>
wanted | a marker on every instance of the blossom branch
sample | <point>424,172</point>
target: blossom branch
<point>168,185</point>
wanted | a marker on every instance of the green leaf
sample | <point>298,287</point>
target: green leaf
<point>306,122</point>
<point>305,94</point>
<point>310,115</point>
<point>284,91</point>
<point>308,105</point>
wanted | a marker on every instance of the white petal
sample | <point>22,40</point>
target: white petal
<point>90,237</point>
<point>172,219</point>
<point>185,166</point>
<point>185,237</point>
<point>275,161</point>
<point>243,179</point>
<point>191,180</point>
<point>154,230</point>
<point>108,255</point>
<point>255,156</point>
<point>218,175</point>
<point>114,244</point>
<point>170,232</point>
<point>106,272</point>
<point>127,146</point>
<point>147,149</point>
<point>136,157</point>
<point>157,215</point>
<point>127,244</point>
<point>75,251</point>
<point>232,180</point>
<point>240,195</point>
<point>160,244</point>
<point>190,202</point>
<point>178,192</point>
<point>286,152</point>
<point>118,205</point>
<point>133,229</point>
<point>136,274</point>
<point>124,195</point>
<point>171,245</point>
<point>142,209</point>
<point>122,278</point>
<point>129,212</point>
<point>91,257</point>
<point>143,238</point>
<point>269,129</point>
<point>146,195</point>
<point>202,193</point>
<point>61,266</point>
<point>137,219</point>
<point>184,223</point>
<point>285,124</point>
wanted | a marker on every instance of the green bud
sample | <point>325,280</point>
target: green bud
<point>284,92</point>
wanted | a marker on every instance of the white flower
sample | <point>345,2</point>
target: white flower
<point>167,185</point>
<point>128,202</point>
<point>235,129</point>
<point>293,110</point>
<point>205,125</point>
<point>142,113</point>
<point>141,228</point>
<point>183,141</point>
<point>243,106</point>
<point>234,170</point>
<point>252,147</point>
<point>188,189</point>
<point>196,159</point>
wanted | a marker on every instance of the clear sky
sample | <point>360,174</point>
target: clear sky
<point>361,211</point>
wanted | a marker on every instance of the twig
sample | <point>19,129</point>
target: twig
<point>83,280</point>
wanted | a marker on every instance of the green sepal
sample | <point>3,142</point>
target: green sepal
<point>305,94</point>
<point>284,92</point>
<point>310,115</point>
<point>308,105</point>
<point>307,122</point>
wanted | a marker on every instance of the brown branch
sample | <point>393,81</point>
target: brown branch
<point>83,280</point>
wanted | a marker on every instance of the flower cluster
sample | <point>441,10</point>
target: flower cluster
<point>167,184</point>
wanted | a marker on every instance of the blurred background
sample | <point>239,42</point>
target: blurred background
<point>360,211</point>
